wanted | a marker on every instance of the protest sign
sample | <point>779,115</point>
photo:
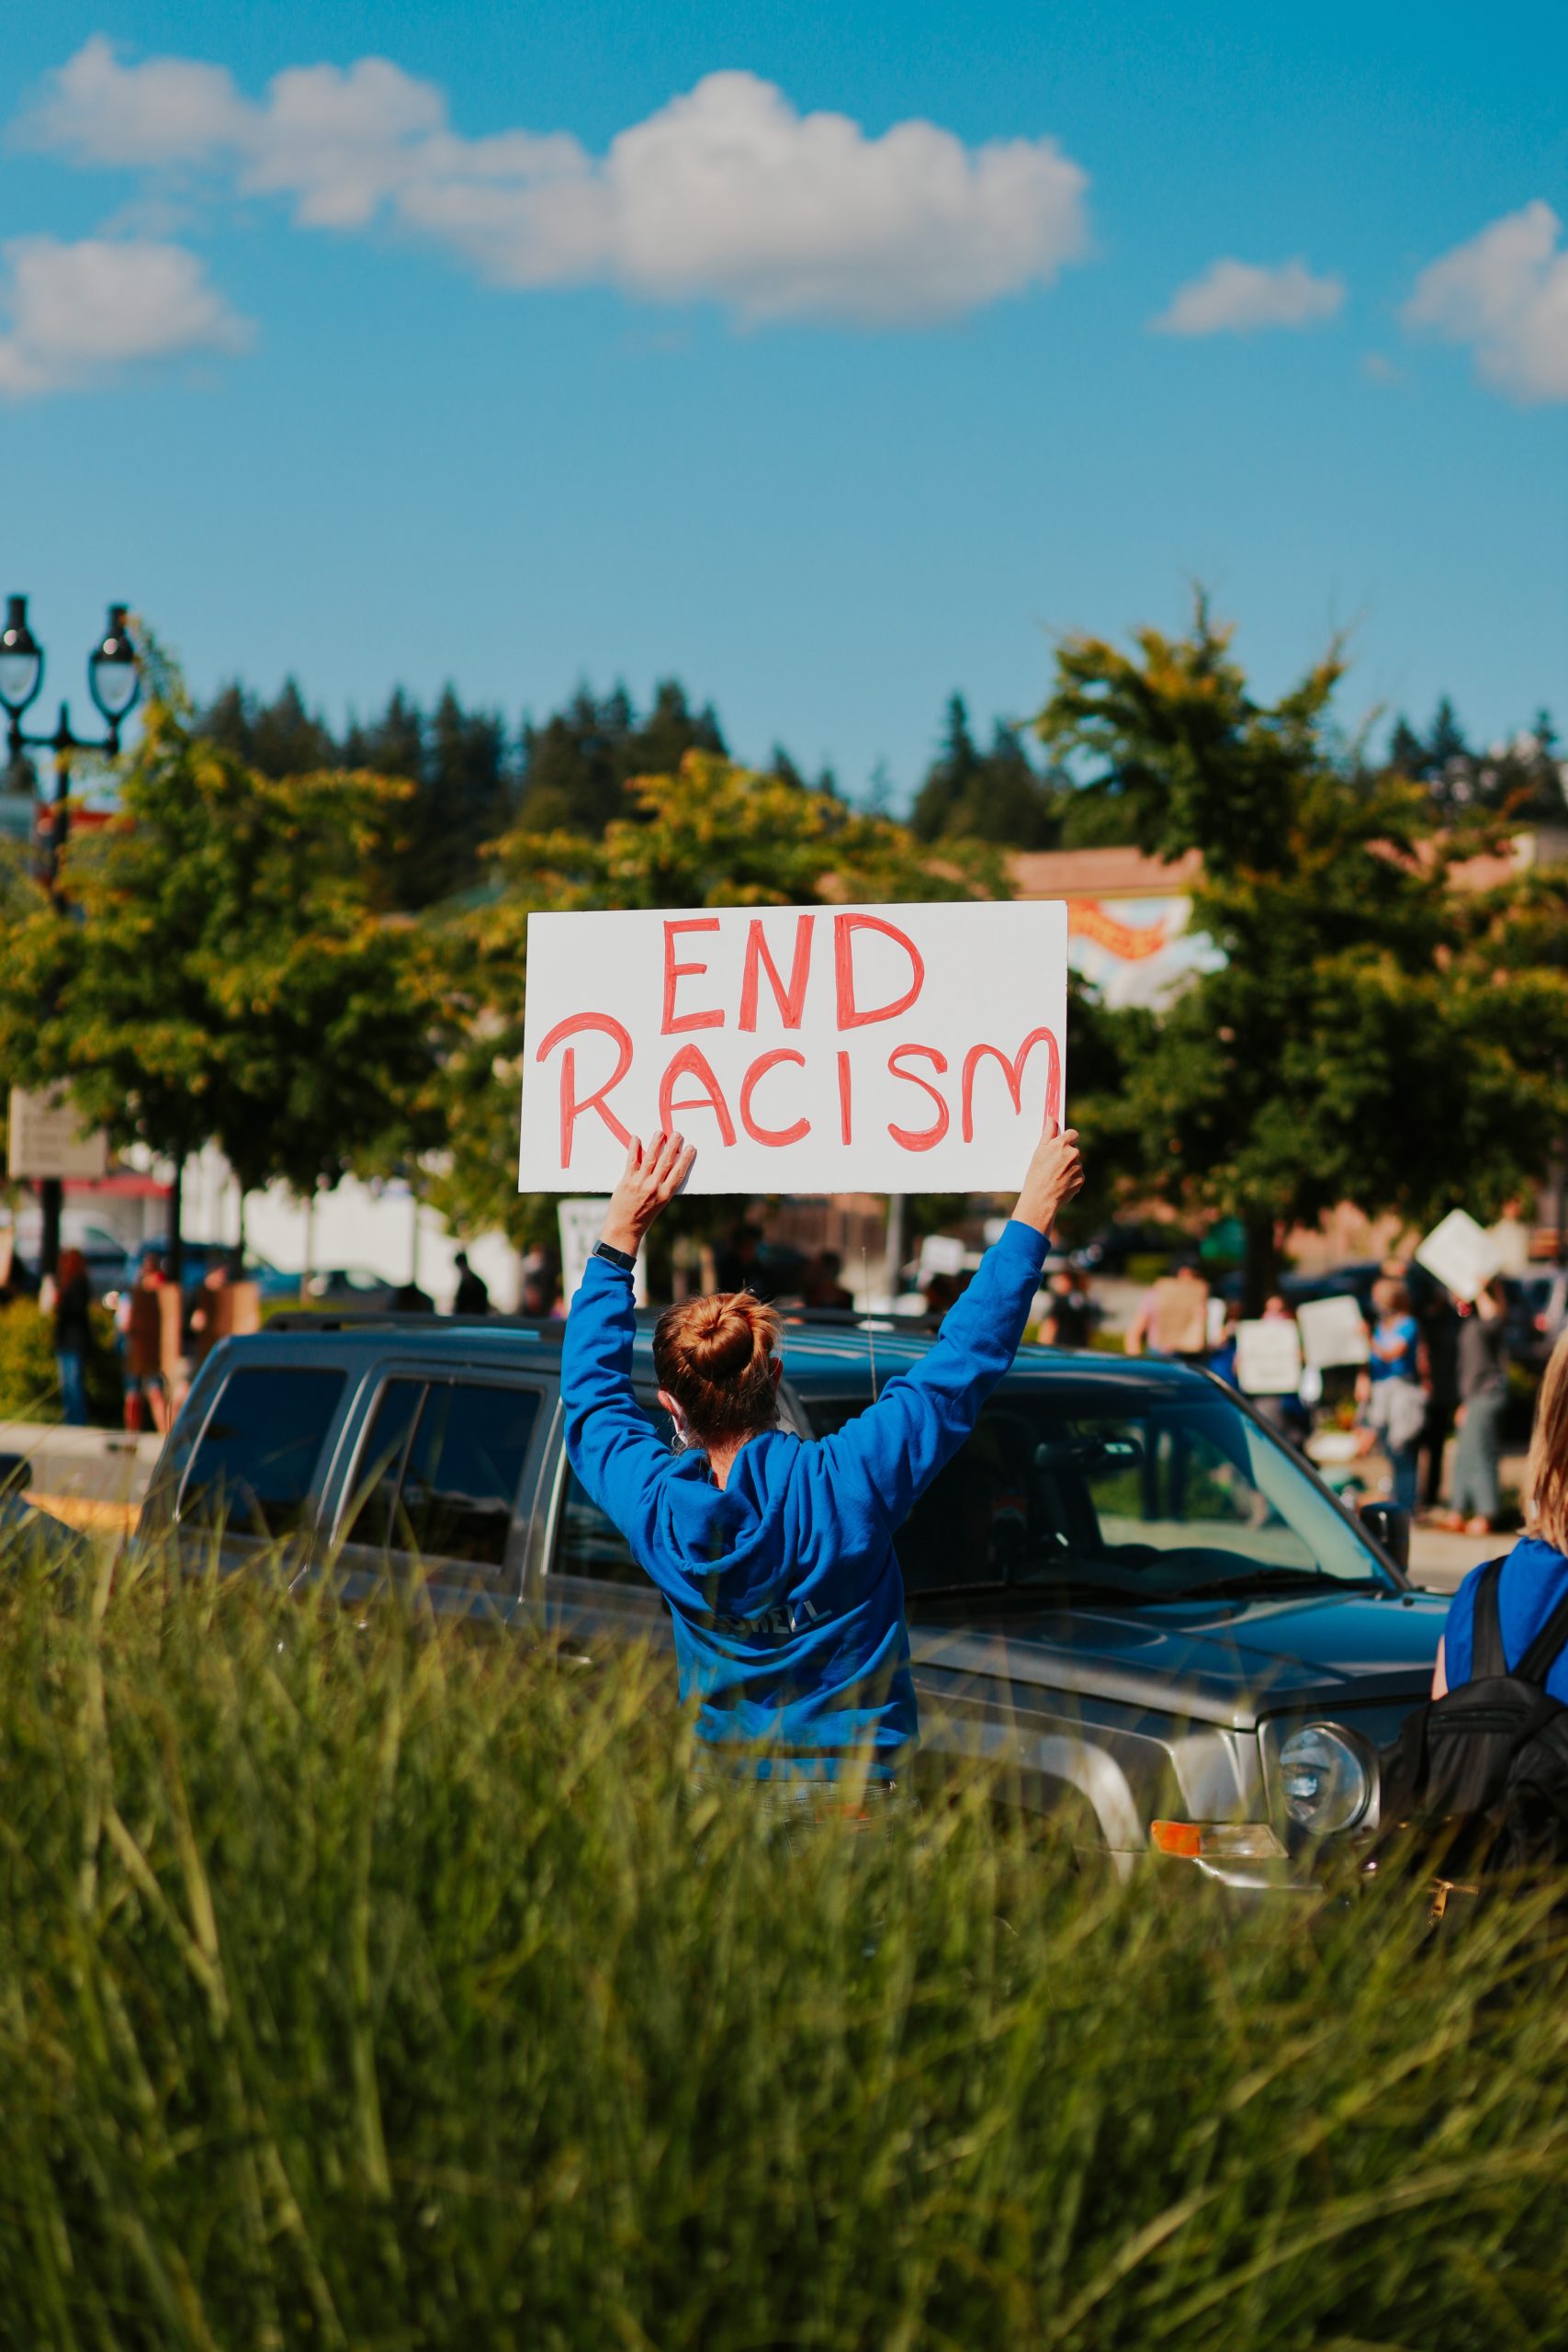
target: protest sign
<point>581,1224</point>
<point>813,1049</point>
<point>1331,1332</point>
<point>1180,1322</point>
<point>45,1137</point>
<point>1461,1254</point>
<point>1268,1357</point>
<point>941,1253</point>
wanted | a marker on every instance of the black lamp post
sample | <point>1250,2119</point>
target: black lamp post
<point>114,680</point>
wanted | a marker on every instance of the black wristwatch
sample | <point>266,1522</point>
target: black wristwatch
<point>627,1262</point>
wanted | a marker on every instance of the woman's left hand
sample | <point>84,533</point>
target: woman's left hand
<point>649,1182</point>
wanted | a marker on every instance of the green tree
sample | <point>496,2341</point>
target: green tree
<point>578,764</point>
<point>228,975</point>
<point>709,835</point>
<point>280,737</point>
<point>1362,1039</point>
<point>996,796</point>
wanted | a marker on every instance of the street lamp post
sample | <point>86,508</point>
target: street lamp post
<point>114,680</point>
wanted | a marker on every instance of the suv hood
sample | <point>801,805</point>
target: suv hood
<point>1218,1661</point>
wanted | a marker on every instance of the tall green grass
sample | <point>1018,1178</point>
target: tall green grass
<point>366,1986</point>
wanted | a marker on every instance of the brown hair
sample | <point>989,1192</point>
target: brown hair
<point>1546,1476</point>
<point>72,1263</point>
<point>715,1357</point>
<point>1389,1296</point>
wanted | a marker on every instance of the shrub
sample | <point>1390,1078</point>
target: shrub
<point>371,1985</point>
<point>30,1385</point>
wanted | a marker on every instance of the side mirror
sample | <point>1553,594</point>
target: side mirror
<point>1390,1528</point>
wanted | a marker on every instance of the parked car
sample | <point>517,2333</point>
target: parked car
<point>350,1287</point>
<point>24,1527</point>
<point>196,1258</point>
<point>107,1259</point>
<point>1124,1581</point>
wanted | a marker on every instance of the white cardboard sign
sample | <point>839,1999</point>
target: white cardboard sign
<point>581,1224</point>
<point>1331,1332</point>
<point>45,1137</point>
<point>1268,1357</point>
<point>802,1050</point>
<point>1462,1255</point>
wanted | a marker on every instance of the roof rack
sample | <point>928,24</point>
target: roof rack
<point>297,1319</point>
<point>382,1319</point>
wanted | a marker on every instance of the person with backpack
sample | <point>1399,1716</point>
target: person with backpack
<point>1533,1579</point>
<point>1479,1774</point>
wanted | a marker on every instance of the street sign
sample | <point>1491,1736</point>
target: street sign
<point>45,1137</point>
<point>802,1050</point>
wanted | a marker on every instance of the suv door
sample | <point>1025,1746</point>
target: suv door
<point>440,1486</point>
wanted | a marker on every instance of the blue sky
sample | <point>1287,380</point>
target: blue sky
<point>345,378</point>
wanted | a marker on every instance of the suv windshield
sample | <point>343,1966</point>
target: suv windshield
<point>1123,1494</point>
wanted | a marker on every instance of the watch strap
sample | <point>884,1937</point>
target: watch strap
<point>625,1261</point>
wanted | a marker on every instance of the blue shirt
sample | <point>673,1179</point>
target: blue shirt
<point>1406,1363</point>
<point>1535,1578</point>
<point>783,1587</point>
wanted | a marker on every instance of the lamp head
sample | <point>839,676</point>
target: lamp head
<point>21,661</point>
<point>114,677</point>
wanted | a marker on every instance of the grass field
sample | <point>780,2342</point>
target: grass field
<point>359,1988</point>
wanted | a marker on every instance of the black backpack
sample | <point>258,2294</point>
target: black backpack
<point>1479,1778</point>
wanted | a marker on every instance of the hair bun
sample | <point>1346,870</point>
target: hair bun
<point>716,1355</point>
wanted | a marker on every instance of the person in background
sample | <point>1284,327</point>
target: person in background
<point>1393,1391</point>
<point>1289,1416</point>
<point>1172,1313</point>
<point>72,1302</point>
<point>1068,1317</point>
<point>472,1296</point>
<point>824,1286</point>
<point>1483,1378</point>
<point>1440,1333</point>
<point>1535,1574</point>
<point>141,1330</point>
<point>1221,1362</point>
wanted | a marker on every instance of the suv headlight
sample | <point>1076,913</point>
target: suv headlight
<point>1324,1780</point>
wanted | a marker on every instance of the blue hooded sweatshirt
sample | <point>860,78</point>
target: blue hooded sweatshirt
<point>784,1586</point>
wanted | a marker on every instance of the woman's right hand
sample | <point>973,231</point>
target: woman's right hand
<point>1056,1173</point>
<point>649,1182</point>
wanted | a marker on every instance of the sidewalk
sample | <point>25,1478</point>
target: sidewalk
<point>93,1478</point>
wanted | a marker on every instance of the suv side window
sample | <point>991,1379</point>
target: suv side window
<point>255,1465</point>
<point>588,1543</point>
<point>441,1469</point>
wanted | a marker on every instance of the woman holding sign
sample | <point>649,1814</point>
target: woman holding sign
<point>775,1557</point>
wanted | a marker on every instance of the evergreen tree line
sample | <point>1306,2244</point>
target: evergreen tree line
<point>473,779</point>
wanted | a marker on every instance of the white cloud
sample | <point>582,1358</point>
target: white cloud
<point>79,312</point>
<point>1506,294</point>
<point>1238,297</point>
<point>727,194</point>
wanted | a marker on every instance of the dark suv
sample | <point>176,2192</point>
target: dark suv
<point>1123,1584</point>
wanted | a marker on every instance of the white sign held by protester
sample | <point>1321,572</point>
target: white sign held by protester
<point>45,1137</point>
<point>1331,1332</point>
<point>802,1050</point>
<point>1461,1254</point>
<point>582,1222</point>
<point>1268,1357</point>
